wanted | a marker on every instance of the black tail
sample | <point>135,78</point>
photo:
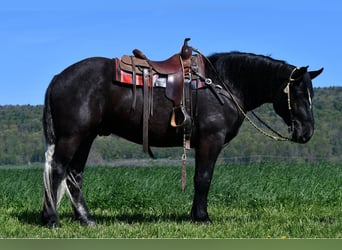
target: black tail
<point>49,131</point>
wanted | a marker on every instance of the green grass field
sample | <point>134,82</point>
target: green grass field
<point>246,201</point>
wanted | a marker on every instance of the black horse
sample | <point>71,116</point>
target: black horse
<point>83,102</point>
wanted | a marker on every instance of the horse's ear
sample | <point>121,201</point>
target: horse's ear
<point>314,74</point>
<point>299,72</point>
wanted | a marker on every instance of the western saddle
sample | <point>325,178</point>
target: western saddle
<point>177,72</point>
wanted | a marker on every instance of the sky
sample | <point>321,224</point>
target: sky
<point>40,38</point>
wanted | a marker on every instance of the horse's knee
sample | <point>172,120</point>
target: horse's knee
<point>202,182</point>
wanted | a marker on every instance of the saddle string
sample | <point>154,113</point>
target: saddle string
<point>278,136</point>
<point>146,111</point>
<point>134,85</point>
<point>151,93</point>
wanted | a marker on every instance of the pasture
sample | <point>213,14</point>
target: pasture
<point>268,200</point>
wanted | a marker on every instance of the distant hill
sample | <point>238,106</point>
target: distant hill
<point>22,141</point>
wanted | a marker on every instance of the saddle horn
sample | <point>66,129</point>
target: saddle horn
<point>186,51</point>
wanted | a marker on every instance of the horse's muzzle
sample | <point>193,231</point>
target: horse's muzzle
<point>302,133</point>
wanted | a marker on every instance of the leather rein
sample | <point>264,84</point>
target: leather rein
<point>276,135</point>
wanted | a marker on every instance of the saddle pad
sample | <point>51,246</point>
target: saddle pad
<point>126,77</point>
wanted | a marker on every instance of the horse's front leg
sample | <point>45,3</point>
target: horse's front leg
<point>206,156</point>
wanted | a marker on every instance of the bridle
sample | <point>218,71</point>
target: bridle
<point>287,90</point>
<point>276,135</point>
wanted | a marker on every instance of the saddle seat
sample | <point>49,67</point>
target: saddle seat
<point>166,67</point>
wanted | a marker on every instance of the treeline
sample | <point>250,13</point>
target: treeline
<point>22,141</point>
<point>21,138</point>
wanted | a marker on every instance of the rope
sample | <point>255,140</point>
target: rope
<point>186,148</point>
<point>184,157</point>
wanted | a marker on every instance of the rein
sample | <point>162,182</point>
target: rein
<point>276,136</point>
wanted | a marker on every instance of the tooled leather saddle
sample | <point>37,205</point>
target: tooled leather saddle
<point>173,74</point>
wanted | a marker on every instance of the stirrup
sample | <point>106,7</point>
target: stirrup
<point>180,118</point>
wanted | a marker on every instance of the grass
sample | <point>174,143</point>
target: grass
<point>245,201</point>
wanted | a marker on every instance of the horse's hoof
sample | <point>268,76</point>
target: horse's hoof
<point>50,222</point>
<point>200,217</point>
<point>53,224</point>
<point>88,222</point>
<point>201,221</point>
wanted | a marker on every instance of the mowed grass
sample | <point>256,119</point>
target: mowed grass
<point>267,200</point>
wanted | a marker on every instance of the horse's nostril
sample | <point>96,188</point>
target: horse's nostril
<point>305,139</point>
<point>306,136</point>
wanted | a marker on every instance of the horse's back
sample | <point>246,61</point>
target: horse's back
<point>84,73</point>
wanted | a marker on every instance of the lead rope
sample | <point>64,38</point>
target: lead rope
<point>184,157</point>
<point>186,138</point>
<point>186,149</point>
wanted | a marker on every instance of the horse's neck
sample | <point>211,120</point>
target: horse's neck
<point>256,88</point>
<point>254,93</point>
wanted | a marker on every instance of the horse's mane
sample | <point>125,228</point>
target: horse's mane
<point>245,58</point>
<point>248,67</point>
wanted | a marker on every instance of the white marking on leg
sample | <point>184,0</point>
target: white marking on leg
<point>61,191</point>
<point>310,101</point>
<point>79,207</point>
<point>71,178</point>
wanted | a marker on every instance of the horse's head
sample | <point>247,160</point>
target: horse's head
<point>294,103</point>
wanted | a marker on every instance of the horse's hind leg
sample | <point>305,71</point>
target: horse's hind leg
<point>53,175</point>
<point>74,184</point>
<point>58,156</point>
